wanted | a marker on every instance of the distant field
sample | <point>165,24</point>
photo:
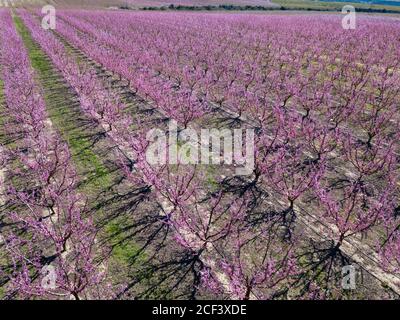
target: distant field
<point>331,5</point>
<point>388,5</point>
<point>160,3</point>
<point>374,2</point>
<point>287,4</point>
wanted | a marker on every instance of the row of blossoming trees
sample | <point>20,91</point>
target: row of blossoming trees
<point>323,101</point>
